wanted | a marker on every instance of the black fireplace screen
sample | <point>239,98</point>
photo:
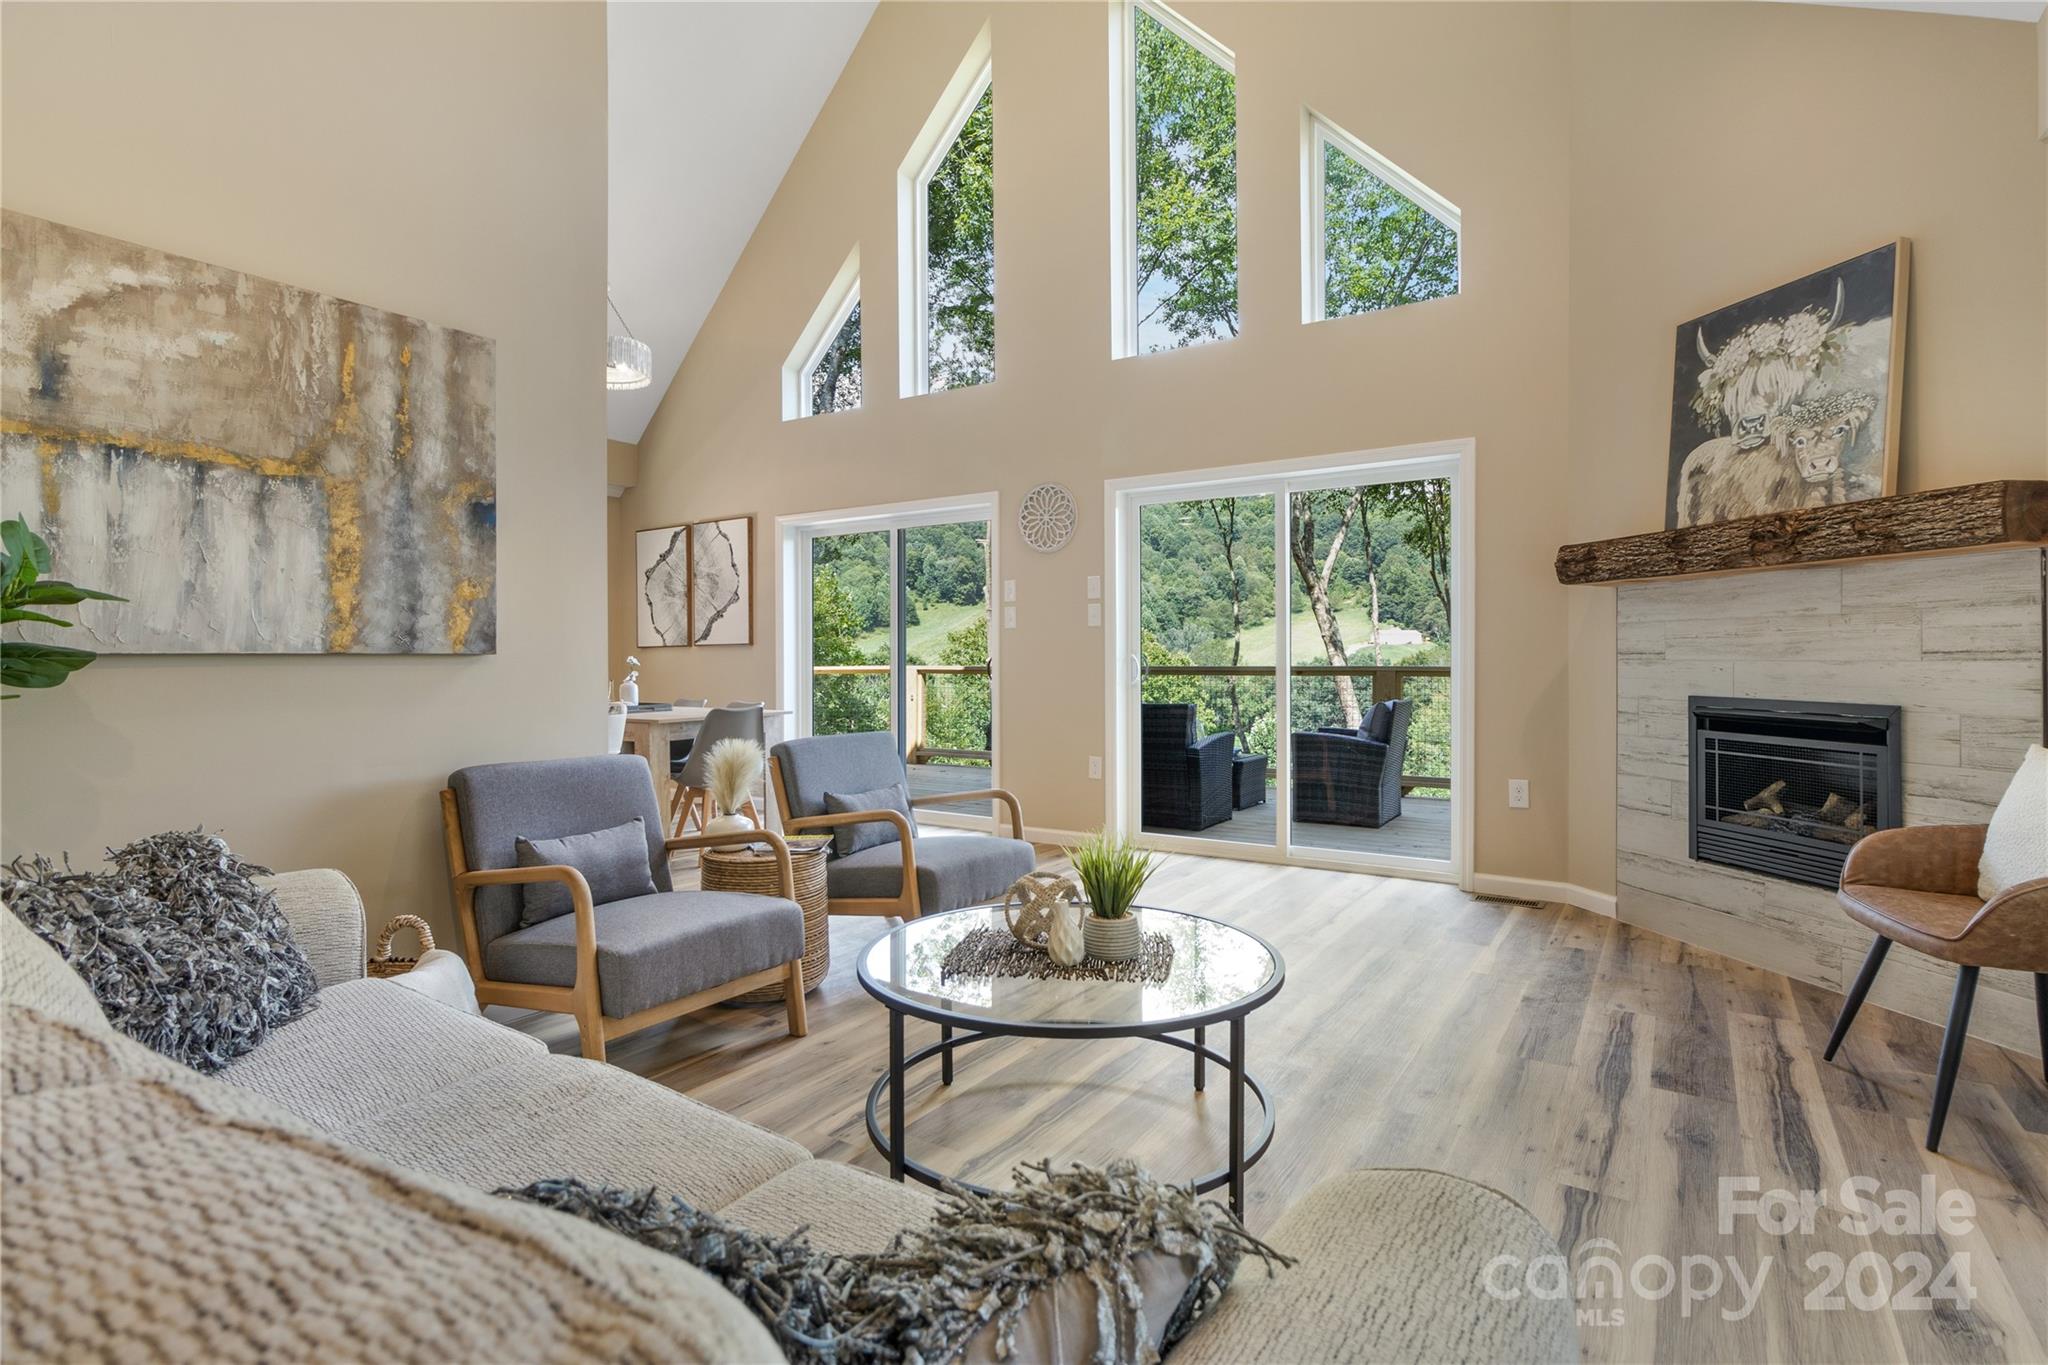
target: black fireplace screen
<point>1787,788</point>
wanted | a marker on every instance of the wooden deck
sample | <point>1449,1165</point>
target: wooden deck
<point>1422,831</point>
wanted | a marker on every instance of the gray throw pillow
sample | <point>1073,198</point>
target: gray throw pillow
<point>184,951</point>
<point>851,839</point>
<point>613,861</point>
<point>1380,724</point>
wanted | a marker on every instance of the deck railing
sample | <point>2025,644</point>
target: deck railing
<point>1388,680</point>
<point>915,750</point>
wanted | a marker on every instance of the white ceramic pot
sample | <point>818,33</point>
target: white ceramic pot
<point>725,824</point>
<point>1112,940</point>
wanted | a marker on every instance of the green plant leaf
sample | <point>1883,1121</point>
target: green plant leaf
<point>23,664</point>
<point>56,592</point>
<point>18,614</point>
<point>30,551</point>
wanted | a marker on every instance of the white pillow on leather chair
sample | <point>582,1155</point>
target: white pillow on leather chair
<point>2016,845</point>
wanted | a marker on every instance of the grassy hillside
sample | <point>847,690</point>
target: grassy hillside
<point>934,624</point>
<point>1355,622</point>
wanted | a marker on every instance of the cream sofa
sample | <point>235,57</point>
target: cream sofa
<point>327,1196</point>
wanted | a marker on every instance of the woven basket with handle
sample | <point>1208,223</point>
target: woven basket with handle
<point>382,963</point>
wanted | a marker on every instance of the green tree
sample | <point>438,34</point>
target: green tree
<point>835,382</point>
<point>1380,248</point>
<point>1187,189</point>
<point>960,265</point>
<point>957,709</point>
<point>842,703</point>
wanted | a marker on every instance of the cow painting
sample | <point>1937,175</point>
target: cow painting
<point>1790,399</point>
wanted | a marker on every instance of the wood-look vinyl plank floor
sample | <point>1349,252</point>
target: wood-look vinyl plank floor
<point>1608,1078</point>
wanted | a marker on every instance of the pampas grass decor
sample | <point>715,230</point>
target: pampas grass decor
<point>731,771</point>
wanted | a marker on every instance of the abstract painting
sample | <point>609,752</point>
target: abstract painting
<point>661,597</point>
<point>1790,399</point>
<point>722,581</point>
<point>257,468</point>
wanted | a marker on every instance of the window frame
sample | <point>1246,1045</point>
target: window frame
<point>837,305</point>
<point>941,129</point>
<point>1123,157</point>
<point>1318,133</point>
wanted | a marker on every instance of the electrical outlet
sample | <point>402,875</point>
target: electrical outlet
<point>1094,587</point>
<point>1095,766</point>
<point>1518,793</point>
<point>1009,589</point>
<point>1009,618</point>
<point>1095,613</point>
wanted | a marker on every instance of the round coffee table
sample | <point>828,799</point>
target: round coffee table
<point>1220,975</point>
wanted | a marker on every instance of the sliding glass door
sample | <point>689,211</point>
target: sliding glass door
<point>1287,681</point>
<point>894,626</point>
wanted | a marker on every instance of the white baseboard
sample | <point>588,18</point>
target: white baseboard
<point>1065,838</point>
<point>1531,889</point>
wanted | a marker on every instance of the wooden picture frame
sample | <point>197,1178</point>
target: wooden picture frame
<point>661,612</point>
<point>721,590</point>
<point>1790,399</point>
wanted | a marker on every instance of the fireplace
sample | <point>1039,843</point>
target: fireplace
<point>1786,788</point>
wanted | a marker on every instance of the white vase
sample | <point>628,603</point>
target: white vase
<point>1066,942</point>
<point>1112,940</point>
<point>725,824</point>
<point>629,692</point>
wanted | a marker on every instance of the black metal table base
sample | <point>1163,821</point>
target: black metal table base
<point>1242,1156</point>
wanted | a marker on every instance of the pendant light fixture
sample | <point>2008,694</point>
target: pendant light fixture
<point>628,362</point>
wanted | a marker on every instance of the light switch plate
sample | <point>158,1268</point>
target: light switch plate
<point>1009,589</point>
<point>1094,587</point>
<point>1095,613</point>
<point>1009,618</point>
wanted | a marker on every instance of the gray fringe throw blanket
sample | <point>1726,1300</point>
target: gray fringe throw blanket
<point>978,1264</point>
<point>186,954</point>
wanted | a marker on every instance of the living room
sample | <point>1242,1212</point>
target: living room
<point>1508,539</point>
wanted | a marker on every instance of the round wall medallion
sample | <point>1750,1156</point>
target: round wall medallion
<point>1046,518</point>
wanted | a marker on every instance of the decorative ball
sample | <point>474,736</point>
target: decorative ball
<point>1028,908</point>
<point>1046,517</point>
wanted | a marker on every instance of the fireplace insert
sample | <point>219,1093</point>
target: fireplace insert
<point>1786,788</point>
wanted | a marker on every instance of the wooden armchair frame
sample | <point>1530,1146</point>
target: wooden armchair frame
<point>582,999</point>
<point>905,902</point>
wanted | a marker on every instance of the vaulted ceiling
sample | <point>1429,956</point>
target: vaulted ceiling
<point>710,100</point>
<point>709,103</point>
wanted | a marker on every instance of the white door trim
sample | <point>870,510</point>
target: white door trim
<point>1455,460</point>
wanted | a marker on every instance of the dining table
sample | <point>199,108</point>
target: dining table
<point>649,734</point>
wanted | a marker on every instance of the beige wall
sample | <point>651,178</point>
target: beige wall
<point>1924,129</point>
<point>1607,160</point>
<point>442,161</point>
<point>1486,129</point>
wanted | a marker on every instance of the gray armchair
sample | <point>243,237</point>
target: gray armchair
<point>914,872</point>
<point>1353,777</point>
<point>624,964</point>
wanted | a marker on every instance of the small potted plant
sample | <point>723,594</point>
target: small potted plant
<point>1111,870</point>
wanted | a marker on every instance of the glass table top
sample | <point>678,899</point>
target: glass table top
<point>1217,970</point>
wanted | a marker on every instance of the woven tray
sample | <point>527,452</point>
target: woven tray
<point>996,952</point>
<point>756,872</point>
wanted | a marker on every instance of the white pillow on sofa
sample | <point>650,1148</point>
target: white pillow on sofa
<point>2016,845</point>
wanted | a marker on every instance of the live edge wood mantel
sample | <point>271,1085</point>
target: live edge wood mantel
<point>1977,516</point>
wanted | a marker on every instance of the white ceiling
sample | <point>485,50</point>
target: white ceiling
<point>709,103</point>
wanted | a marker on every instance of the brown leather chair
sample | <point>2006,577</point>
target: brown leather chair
<point>1918,886</point>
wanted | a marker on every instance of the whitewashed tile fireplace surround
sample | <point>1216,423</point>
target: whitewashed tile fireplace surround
<point>1956,640</point>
